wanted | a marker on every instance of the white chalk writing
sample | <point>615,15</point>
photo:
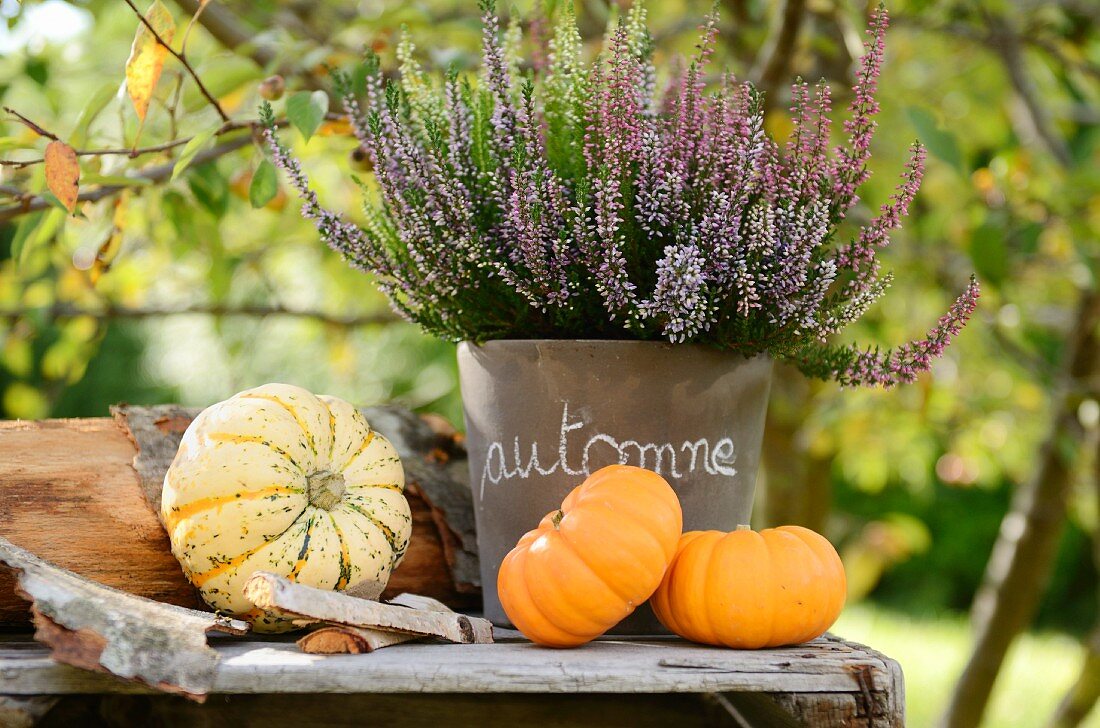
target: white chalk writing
<point>714,458</point>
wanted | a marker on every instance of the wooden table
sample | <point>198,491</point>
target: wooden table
<point>635,682</point>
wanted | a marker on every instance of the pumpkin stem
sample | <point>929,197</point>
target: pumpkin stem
<point>325,489</point>
<point>744,527</point>
<point>557,518</point>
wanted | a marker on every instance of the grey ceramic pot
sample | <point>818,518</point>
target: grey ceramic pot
<point>543,414</point>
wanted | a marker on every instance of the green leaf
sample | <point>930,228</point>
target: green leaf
<point>23,231</point>
<point>36,230</point>
<point>988,253</point>
<point>9,143</point>
<point>191,148</point>
<point>92,109</point>
<point>264,185</point>
<point>940,142</point>
<point>210,188</point>
<point>54,201</point>
<point>37,70</point>
<point>181,213</point>
<point>306,111</point>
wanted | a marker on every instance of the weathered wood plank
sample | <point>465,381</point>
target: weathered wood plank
<point>97,628</point>
<point>408,711</point>
<point>616,666</point>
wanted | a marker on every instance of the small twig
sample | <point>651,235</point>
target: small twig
<point>30,124</point>
<point>12,191</point>
<point>190,25</point>
<point>775,58</point>
<point>112,313</point>
<point>152,174</point>
<point>20,164</point>
<point>182,58</point>
<point>134,152</point>
<point>173,105</point>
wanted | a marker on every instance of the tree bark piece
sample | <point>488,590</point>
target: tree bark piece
<point>70,495</point>
<point>272,592</point>
<point>98,481</point>
<point>156,433</point>
<point>435,465</point>
<point>97,628</point>
<point>343,639</point>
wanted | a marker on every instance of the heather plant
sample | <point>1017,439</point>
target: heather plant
<point>589,200</point>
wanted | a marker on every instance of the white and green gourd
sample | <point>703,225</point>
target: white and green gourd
<point>278,479</point>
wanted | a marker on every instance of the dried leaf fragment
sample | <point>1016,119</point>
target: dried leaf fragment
<point>63,173</point>
<point>147,56</point>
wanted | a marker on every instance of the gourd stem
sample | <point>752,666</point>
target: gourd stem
<point>557,519</point>
<point>744,527</point>
<point>325,489</point>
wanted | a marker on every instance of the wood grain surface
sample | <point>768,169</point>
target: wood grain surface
<point>70,495</point>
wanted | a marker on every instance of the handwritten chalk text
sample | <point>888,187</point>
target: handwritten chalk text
<point>575,453</point>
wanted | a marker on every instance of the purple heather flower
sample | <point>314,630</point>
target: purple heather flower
<point>903,364</point>
<point>581,201</point>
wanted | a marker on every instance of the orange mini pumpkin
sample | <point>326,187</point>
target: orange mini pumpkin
<point>589,564</point>
<point>748,590</point>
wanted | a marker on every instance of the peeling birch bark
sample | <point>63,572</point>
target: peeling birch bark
<point>95,627</point>
<point>343,639</point>
<point>274,593</point>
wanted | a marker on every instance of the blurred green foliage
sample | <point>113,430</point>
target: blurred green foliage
<point>920,476</point>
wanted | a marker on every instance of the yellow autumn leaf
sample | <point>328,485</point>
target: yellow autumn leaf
<point>62,173</point>
<point>147,56</point>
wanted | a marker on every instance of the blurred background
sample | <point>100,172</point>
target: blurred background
<point>965,505</point>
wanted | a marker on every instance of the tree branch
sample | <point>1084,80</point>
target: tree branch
<point>1006,44</point>
<point>1083,695</point>
<point>227,29</point>
<point>31,203</point>
<point>158,173</point>
<point>1020,565</point>
<point>774,64</point>
<point>111,313</point>
<point>30,124</point>
<point>132,152</point>
<point>182,58</point>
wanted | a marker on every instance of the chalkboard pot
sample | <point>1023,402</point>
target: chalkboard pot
<point>542,414</point>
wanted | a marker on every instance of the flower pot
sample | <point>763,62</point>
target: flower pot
<point>543,414</point>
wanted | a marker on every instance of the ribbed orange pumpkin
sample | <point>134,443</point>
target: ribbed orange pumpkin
<point>748,590</point>
<point>588,565</point>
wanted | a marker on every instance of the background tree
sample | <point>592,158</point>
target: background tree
<point>187,274</point>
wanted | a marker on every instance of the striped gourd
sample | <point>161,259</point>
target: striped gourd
<point>278,479</point>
